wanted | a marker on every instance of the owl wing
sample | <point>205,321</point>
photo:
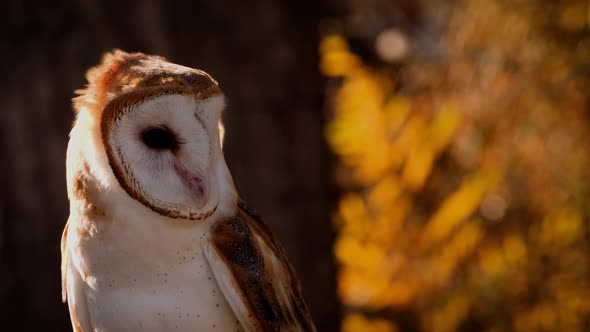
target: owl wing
<point>255,277</point>
<point>64,263</point>
<point>72,288</point>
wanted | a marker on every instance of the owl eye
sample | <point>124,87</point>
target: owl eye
<point>159,138</point>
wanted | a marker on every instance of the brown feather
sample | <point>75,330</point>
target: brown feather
<point>121,72</point>
<point>261,273</point>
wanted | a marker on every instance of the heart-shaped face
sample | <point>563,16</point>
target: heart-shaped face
<point>161,144</point>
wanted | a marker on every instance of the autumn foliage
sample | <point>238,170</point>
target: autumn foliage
<point>465,175</point>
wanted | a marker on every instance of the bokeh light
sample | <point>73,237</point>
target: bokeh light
<point>465,174</point>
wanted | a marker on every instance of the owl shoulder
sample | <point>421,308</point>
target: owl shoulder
<point>260,284</point>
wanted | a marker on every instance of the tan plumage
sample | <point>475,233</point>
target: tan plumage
<point>157,239</point>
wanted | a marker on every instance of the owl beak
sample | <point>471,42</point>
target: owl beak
<point>195,182</point>
<point>197,187</point>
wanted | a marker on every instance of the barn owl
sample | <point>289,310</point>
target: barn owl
<point>157,238</point>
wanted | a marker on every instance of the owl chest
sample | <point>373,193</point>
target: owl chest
<point>156,280</point>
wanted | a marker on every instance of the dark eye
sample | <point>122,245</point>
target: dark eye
<point>160,138</point>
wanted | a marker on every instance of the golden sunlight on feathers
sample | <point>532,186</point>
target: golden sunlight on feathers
<point>147,181</point>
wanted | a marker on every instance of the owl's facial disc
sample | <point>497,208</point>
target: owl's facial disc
<point>160,150</point>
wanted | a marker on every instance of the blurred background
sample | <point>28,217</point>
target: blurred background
<point>426,164</point>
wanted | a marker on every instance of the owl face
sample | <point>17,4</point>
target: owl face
<point>156,125</point>
<point>162,145</point>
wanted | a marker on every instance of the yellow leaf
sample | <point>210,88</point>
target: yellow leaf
<point>459,206</point>
<point>333,43</point>
<point>357,323</point>
<point>443,126</point>
<point>418,166</point>
<point>514,249</point>
<point>338,64</point>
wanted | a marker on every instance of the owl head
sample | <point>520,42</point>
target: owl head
<point>157,124</point>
